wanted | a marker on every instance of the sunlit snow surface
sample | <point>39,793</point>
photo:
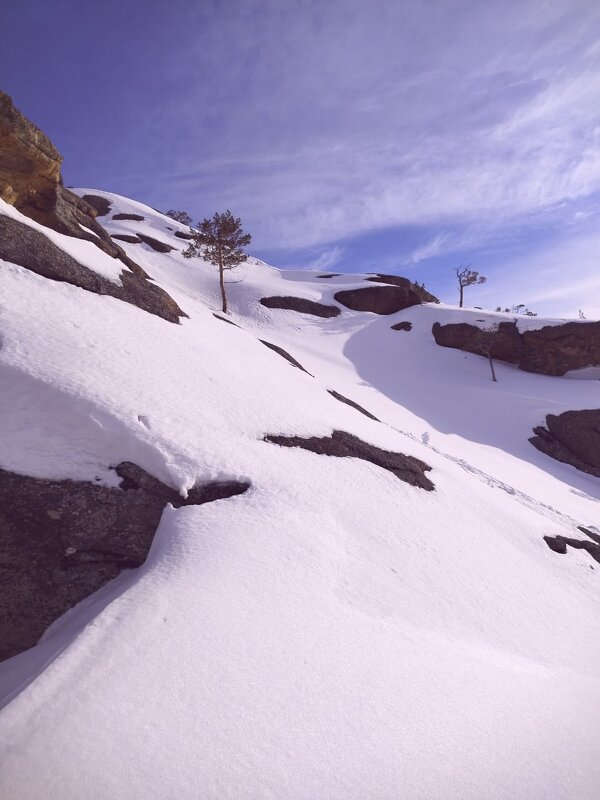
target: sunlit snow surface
<point>333,633</point>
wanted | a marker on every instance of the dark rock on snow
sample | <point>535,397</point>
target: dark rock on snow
<point>343,444</point>
<point>558,544</point>
<point>572,437</point>
<point>349,402</point>
<point>551,350</point>
<point>125,237</point>
<point>402,326</point>
<point>182,235</point>
<point>284,354</point>
<point>61,540</point>
<point>101,204</point>
<point>133,217</point>
<point>31,249</point>
<point>405,283</point>
<point>330,275</point>
<point>384,299</point>
<point>160,247</point>
<point>224,319</point>
<point>302,305</point>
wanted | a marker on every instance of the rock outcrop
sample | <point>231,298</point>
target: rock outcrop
<point>30,248</point>
<point>101,204</point>
<point>405,325</point>
<point>352,404</point>
<point>30,180</point>
<point>550,350</point>
<point>385,299</point>
<point>302,305</point>
<point>155,244</point>
<point>572,437</point>
<point>345,445</point>
<point>284,354</point>
<point>558,544</point>
<point>398,280</point>
<point>62,540</point>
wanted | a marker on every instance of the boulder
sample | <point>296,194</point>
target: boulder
<point>402,326</point>
<point>572,437</point>
<point>20,244</point>
<point>302,305</point>
<point>550,350</point>
<point>384,299</point>
<point>61,540</point>
<point>346,445</point>
<point>182,235</point>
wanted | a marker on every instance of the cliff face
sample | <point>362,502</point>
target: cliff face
<point>31,181</point>
<point>550,350</point>
<point>29,162</point>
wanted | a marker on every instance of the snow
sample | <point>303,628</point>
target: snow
<point>333,632</point>
<point>87,253</point>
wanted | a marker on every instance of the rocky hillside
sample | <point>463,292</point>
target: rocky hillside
<point>307,549</point>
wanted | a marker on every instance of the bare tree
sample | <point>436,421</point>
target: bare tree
<point>489,336</point>
<point>179,216</point>
<point>467,277</point>
<point>220,241</point>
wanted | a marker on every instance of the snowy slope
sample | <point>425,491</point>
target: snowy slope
<point>334,632</point>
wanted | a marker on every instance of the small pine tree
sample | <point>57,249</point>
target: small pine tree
<point>467,277</point>
<point>179,216</point>
<point>220,241</point>
<point>487,339</point>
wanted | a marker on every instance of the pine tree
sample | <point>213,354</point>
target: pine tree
<point>179,216</point>
<point>220,241</point>
<point>467,277</point>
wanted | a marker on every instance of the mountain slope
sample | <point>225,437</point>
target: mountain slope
<point>334,632</point>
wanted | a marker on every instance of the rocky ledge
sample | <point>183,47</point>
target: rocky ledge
<point>61,540</point>
<point>551,350</point>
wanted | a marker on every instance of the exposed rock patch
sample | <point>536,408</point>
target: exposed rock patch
<point>29,248</point>
<point>551,350</point>
<point>384,299</point>
<point>330,275</point>
<point>349,402</point>
<point>558,544</point>
<point>160,247</point>
<point>101,204</point>
<point>133,217</point>
<point>62,540</point>
<point>182,235</point>
<point>126,237</point>
<point>302,305</point>
<point>224,319</point>
<point>572,437</point>
<point>346,445</point>
<point>402,326</point>
<point>405,283</point>
<point>284,354</point>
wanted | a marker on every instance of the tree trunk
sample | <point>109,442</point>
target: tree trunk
<point>492,367</point>
<point>461,295</point>
<point>222,283</point>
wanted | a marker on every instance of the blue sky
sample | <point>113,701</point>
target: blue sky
<point>398,136</point>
